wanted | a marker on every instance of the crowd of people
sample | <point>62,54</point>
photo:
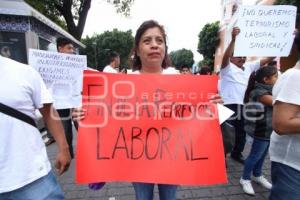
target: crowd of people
<point>273,121</point>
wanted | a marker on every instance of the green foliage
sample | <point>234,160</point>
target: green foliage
<point>99,46</point>
<point>122,6</point>
<point>209,39</point>
<point>72,14</point>
<point>208,42</point>
<point>182,57</point>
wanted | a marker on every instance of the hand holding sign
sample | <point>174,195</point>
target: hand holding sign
<point>235,32</point>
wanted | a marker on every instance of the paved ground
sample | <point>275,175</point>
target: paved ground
<point>124,191</point>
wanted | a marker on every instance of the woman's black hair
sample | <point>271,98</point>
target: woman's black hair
<point>258,77</point>
<point>134,58</point>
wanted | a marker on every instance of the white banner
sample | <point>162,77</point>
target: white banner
<point>62,74</point>
<point>265,30</point>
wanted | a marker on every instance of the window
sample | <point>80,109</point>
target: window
<point>46,45</point>
<point>13,45</point>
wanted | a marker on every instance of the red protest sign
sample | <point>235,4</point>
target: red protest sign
<point>150,128</point>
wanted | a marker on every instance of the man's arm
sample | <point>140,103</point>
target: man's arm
<point>229,51</point>
<point>63,157</point>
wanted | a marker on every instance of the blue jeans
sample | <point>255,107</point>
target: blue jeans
<point>285,182</point>
<point>255,159</point>
<point>144,191</point>
<point>45,188</point>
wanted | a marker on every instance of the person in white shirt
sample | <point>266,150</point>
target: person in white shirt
<point>235,73</point>
<point>25,171</point>
<point>114,62</point>
<point>285,139</point>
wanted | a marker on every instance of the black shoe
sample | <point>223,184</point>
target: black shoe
<point>238,158</point>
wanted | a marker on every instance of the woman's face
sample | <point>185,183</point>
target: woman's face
<point>151,48</point>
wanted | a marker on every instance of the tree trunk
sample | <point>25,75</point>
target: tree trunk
<point>66,10</point>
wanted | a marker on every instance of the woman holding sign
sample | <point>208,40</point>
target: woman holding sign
<point>150,57</point>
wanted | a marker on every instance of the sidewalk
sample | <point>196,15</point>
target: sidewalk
<point>124,191</point>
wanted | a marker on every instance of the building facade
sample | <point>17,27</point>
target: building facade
<point>22,27</point>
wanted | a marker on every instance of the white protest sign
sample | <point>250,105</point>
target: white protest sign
<point>62,74</point>
<point>265,30</point>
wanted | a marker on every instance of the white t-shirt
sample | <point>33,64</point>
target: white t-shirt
<point>234,81</point>
<point>23,156</point>
<point>285,149</point>
<point>110,69</point>
<point>169,70</point>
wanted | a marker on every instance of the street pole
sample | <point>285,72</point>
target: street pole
<point>95,51</point>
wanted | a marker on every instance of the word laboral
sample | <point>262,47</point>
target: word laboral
<point>148,144</point>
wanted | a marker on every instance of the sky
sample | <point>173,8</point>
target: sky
<point>182,19</point>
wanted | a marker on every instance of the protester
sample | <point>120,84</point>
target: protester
<point>235,73</point>
<point>285,139</point>
<point>114,62</point>
<point>64,45</point>
<point>25,171</point>
<point>150,57</point>
<point>185,70</point>
<point>258,124</point>
<point>205,70</point>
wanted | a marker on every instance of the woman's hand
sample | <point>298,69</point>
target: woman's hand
<point>216,99</point>
<point>78,114</point>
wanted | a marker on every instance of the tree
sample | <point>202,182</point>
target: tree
<point>98,47</point>
<point>72,14</point>
<point>182,57</point>
<point>208,41</point>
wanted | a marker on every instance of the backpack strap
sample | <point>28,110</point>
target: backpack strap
<point>17,114</point>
